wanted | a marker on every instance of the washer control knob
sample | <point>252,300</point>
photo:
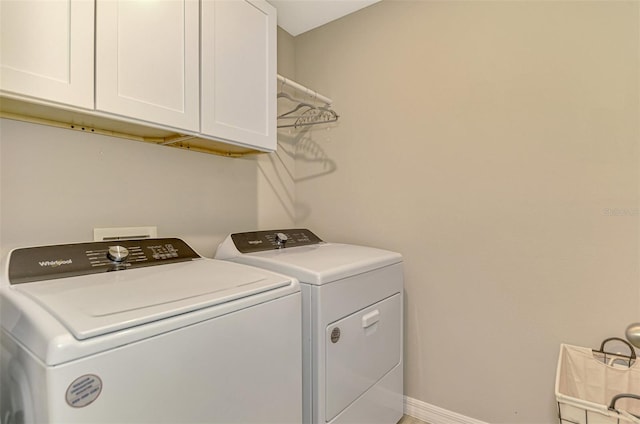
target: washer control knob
<point>117,253</point>
<point>281,239</point>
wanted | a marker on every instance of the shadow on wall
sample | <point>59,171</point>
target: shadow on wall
<point>280,169</point>
<point>303,148</point>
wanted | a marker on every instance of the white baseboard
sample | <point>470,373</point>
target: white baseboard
<point>435,415</point>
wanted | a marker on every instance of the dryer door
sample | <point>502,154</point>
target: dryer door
<point>360,349</point>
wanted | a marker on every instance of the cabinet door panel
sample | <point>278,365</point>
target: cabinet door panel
<point>239,71</point>
<point>148,60</point>
<point>46,50</point>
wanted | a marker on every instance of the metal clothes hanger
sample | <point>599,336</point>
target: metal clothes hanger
<point>300,104</point>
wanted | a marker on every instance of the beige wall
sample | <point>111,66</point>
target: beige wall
<point>496,145</point>
<point>56,185</point>
<point>276,171</point>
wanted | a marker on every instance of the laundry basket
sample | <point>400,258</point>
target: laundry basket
<point>596,386</point>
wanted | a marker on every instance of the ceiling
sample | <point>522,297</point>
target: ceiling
<point>298,16</point>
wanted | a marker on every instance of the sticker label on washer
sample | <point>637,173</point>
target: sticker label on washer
<point>84,390</point>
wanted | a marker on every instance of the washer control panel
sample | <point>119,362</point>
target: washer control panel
<point>67,260</point>
<point>258,241</point>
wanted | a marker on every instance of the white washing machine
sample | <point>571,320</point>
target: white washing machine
<point>352,303</point>
<point>167,337</point>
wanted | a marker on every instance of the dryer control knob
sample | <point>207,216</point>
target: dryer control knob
<point>117,253</point>
<point>281,239</point>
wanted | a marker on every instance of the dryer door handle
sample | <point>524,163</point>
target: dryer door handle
<point>371,318</point>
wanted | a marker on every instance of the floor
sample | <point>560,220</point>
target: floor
<point>406,419</point>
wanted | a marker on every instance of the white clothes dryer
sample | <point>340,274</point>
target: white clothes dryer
<point>167,337</point>
<point>352,306</point>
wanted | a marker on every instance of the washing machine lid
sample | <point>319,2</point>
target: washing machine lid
<point>94,305</point>
<point>99,303</point>
<point>311,261</point>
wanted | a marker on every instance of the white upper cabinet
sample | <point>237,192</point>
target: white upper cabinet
<point>46,50</point>
<point>147,61</point>
<point>201,71</point>
<point>238,71</point>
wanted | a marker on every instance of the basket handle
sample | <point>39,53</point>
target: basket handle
<point>612,405</point>
<point>632,354</point>
<point>632,418</point>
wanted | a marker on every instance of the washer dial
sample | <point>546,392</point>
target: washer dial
<point>117,253</point>
<point>281,239</point>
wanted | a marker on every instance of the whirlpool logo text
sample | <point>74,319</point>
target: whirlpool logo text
<point>56,263</point>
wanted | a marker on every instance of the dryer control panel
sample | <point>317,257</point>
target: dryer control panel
<point>257,241</point>
<point>69,260</point>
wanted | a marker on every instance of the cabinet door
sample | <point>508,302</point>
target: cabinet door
<point>239,72</point>
<point>147,60</point>
<point>46,50</point>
